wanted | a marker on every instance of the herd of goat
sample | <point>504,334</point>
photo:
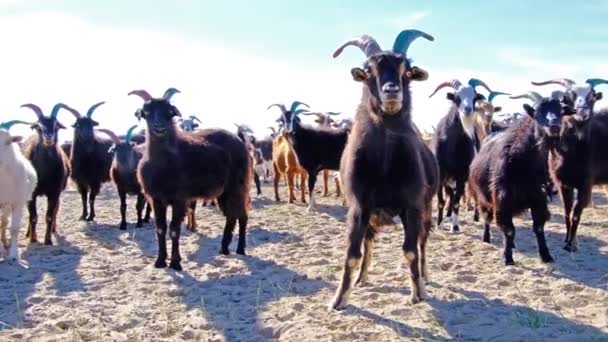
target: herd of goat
<point>385,166</point>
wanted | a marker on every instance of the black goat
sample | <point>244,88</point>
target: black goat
<point>124,175</point>
<point>52,167</point>
<point>455,144</point>
<point>178,167</point>
<point>317,148</point>
<point>246,135</point>
<point>509,175</point>
<point>579,161</point>
<point>386,168</point>
<point>90,160</point>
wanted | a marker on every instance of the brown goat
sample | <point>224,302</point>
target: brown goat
<point>285,162</point>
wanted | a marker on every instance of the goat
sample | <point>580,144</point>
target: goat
<point>123,173</point>
<point>509,174</point>
<point>52,168</point>
<point>285,162</point>
<point>246,135</point>
<point>455,144</point>
<point>579,160</point>
<point>90,161</point>
<point>326,120</point>
<point>316,148</point>
<point>189,124</point>
<point>67,148</point>
<point>386,169</point>
<point>264,149</point>
<point>178,167</point>
<point>18,180</point>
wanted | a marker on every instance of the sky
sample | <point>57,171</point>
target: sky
<point>231,59</point>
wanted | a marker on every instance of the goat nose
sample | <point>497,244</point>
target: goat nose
<point>390,88</point>
<point>468,110</point>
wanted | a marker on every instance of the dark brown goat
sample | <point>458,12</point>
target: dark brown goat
<point>178,167</point>
<point>52,167</point>
<point>509,174</point>
<point>386,169</point>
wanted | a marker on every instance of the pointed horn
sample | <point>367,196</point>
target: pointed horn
<point>593,82</point>
<point>35,108</point>
<point>7,125</point>
<point>93,107</point>
<point>56,109</point>
<point>564,82</point>
<point>299,111</point>
<point>130,134</point>
<point>531,95</point>
<point>297,104</point>
<point>281,107</point>
<point>69,109</point>
<point>453,83</point>
<point>474,82</point>
<point>274,130</point>
<point>493,94</point>
<point>333,113</point>
<point>318,114</point>
<point>142,93</point>
<point>194,118</point>
<point>169,93</point>
<point>406,37</point>
<point>109,133</point>
<point>366,43</point>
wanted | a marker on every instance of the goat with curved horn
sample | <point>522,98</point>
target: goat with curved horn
<point>110,134</point>
<point>455,84</point>
<point>169,93</point>
<point>130,134</point>
<point>35,108</point>
<point>141,93</point>
<point>564,82</point>
<point>531,95</point>
<point>474,82</point>
<point>594,82</point>
<point>93,107</point>
<point>366,43</point>
<point>406,37</point>
<point>297,104</point>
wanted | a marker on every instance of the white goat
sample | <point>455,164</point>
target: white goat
<point>18,180</point>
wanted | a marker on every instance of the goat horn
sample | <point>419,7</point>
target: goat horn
<point>169,93</point>
<point>453,83</point>
<point>493,94</point>
<point>406,37</point>
<point>299,111</point>
<point>56,109</point>
<point>366,43</point>
<point>70,109</point>
<point>192,117</point>
<point>318,114</point>
<point>111,134</point>
<point>564,82</point>
<point>297,104</point>
<point>93,107</point>
<point>142,93</point>
<point>7,125</point>
<point>532,95</point>
<point>274,131</point>
<point>333,113</point>
<point>35,108</point>
<point>474,82</point>
<point>593,82</point>
<point>557,94</point>
<point>281,107</point>
<point>129,134</point>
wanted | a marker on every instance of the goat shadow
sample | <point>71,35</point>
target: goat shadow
<point>18,283</point>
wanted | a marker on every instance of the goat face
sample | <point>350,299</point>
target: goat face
<point>158,114</point>
<point>47,129</point>
<point>582,100</point>
<point>6,140</point>
<point>387,75</point>
<point>83,128</point>
<point>188,125</point>
<point>325,120</point>
<point>124,153</point>
<point>548,115</point>
<point>465,99</point>
<point>289,121</point>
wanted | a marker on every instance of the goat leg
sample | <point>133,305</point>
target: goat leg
<point>123,210</point>
<point>139,207</point>
<point>33,220</point>
<point>583,197</point>
<point>51,215</point>
<point>160,216</point>
<point>412,228</point>
<point>93,194</point>
<point>178,213</point>
<point>228,231</point>
<point>83,197</point>
<point>240,249</point>
<point>368,246</point>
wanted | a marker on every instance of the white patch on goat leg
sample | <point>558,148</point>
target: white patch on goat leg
<point>13,253</point>
<point>312,205</point>
<point>454,222</point>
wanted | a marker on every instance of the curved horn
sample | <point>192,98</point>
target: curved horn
<point>564,82</point>
<point>35,108</point>
<point>129,134</point>
<point>297,104</point>
<point>474,82</point>
<point>69,109</point>
<point>142,93</point>
<point>593,82</point>
<point>281,107</point>
<point>453,83</point>
<point>493,94</point>
<point>193,118</point>
<point>169,93</point>
<point>406,37</point>
<point>56,109</point>
<point>7,125</point>
<point>366,43</point>
<point>333,113</point>
<point>318,114</point>
<point>532,95</point>
<point>274,130</point>
<point>93,107</point>
<point>111,134</point>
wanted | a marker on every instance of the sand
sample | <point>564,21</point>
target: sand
<point>98,283</point>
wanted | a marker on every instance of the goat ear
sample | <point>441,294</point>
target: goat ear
<point>359,74</point>
<point>479,97</point>
<point>95,123</point>
<point>450,96</point>
<point>529,110</point>
<point>175,111</point>
<point>497,109</point>
<point>417,74</point>
<point>598,95</point>
<point>16,139</point>
<point>139,114</point>
<point>60,126</point>
<point>112,149</point>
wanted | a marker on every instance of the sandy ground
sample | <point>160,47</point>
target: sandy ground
<point>99,284</point>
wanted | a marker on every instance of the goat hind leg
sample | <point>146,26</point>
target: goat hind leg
<point>240,249</point>
<point>368,245</point>
<point>92,196</point>
<point>412,227</point>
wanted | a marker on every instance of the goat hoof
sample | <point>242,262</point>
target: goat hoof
<point>547,259</point>
<point>475,218</point>
<point>455,229</point>
<point>174,264</point>
<point>123,226</point>
<point>509,263</point>
<point>160,263</point>
<point>415,299</point>
<point>570,248</point>
<point>240,251</point>
<point>146,220</point>
<point>486,239</point>
<point>224,251</point>
<point>48,242</point>
<point>82,218</point>
<point>139,224</point>
<point>90,218</point>
<point>338,304</point>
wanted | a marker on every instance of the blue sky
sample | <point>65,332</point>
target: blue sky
<point>81,52</point>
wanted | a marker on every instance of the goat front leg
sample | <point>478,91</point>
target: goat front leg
<point>583,197</point>
<point>440,202</point>
<point>139,207</point>
<point>505,223</point>
<point>240,249</point>
<point>16,216</point>
<point>455,205</point>
<point>276,180</point>
<point>160,216</point>
<point>123,210</point>
<point>5,212</point>
<point>290,184</point>
<point>33,220</point>
<point>540,215</point>
<point>303,179</point>
<point>82,190</point>
<point>412,228</point>
<point>567,196</point>
<point>325,183</point>
<point>178,212</point>
<point>51,216</point>
<point>312,179</point>
<point>256,180</point>
<point>92,196</point>
<point>357,222</point>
